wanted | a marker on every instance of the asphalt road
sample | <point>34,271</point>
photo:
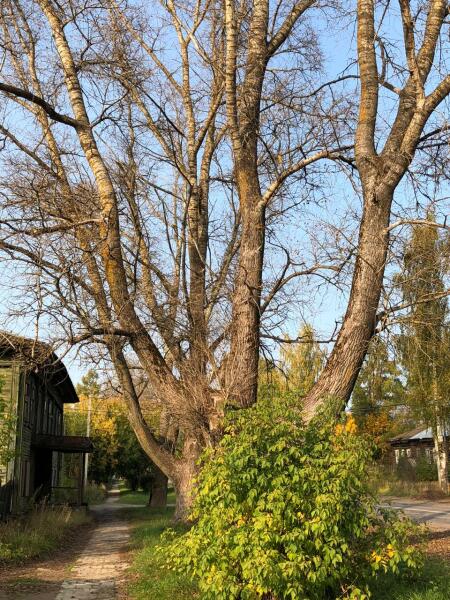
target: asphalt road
<point>436,514</point>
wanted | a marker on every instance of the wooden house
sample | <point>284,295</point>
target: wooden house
<point>415,443</point>
<point>34,386</point>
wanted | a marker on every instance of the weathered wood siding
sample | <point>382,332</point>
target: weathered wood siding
<point>39,410</point>
<point>9,376</point>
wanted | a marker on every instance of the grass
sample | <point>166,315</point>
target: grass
<point>384,482</point>
<point>38,533</point>
<point>150,578</point>
<point>130,497</point>
<point>410,489</point>
<point>432,583</point>
<point>141,498</point>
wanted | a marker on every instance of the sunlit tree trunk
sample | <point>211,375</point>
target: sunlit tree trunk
<point>441,453</point>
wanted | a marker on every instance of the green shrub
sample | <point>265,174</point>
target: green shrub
<point>426,470</point>
<point>405,469</point>
<point>94,493</point>
<point>283,511</point>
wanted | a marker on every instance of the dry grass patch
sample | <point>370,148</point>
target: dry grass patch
<point>38,533</point>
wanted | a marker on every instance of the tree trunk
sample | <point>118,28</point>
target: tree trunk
<point>184,480</point>
<point>158,491</point>
<point>242,370</point>
<point>441,452</point>
<point>339,375</point>
<point>243,116</point>
<point>197,248</point>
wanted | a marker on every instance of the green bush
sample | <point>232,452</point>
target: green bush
<point>94,493</point>
<point>406,471</point>
<point>282,511</point>
<point>426,470</point>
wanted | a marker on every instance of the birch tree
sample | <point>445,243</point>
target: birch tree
<point>425,339</point>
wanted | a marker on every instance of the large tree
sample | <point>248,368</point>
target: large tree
<point>162,152</point>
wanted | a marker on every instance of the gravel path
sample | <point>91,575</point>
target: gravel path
<point>97,571</point>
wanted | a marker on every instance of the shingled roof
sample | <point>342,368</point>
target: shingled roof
<point>418,435</point>
<point>40,358</point>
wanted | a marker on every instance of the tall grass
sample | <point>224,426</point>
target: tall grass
<point>94,493</point>
<point>385,481</point>
<point>411,489</point>
<point>38,533</point>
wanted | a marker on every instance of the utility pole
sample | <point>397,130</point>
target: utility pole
<point>88,432</point>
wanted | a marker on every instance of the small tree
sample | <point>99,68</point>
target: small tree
<point>131,461</point>
<point>378,393</point>
<point>302,362</point>
<point>297,370</point>
<point>117,451</point>
<point>424,343</point>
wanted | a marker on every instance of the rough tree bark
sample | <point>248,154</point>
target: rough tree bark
<point>158,491</point>
<point>243,118</point>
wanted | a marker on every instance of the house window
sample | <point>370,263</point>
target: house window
<point>26,403</point>
<point>39,411</point>
<point>25,478</point>
<point>59,430</point>
<point>51,417</point>
<point>33,404</point>
<point>45,414</point>
<point>55,465</point>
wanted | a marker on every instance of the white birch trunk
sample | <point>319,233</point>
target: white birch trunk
<point>440,448</point>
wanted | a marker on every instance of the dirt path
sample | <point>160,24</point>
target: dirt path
<point>95,570</point>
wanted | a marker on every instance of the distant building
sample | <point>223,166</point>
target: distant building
<point>415,443</point>
<point>35,386</point>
